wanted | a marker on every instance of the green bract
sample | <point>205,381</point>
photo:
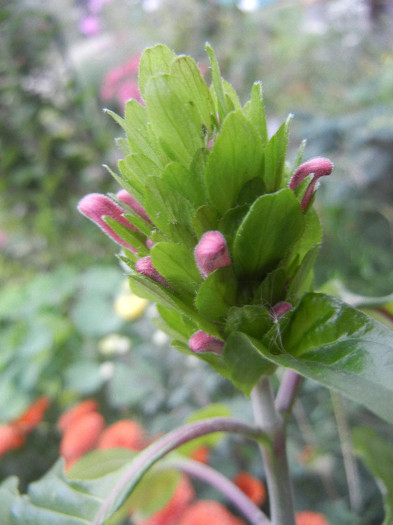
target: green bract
<point>197,162</point>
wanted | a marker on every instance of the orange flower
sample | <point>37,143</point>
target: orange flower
<point>252,487</point>
<point>209,512</point>
<point>125,434</point>
<point>308,517</point>
<point>68,418</point>
<point>81,436</point>
<point>10,437</point>
<point>181,499</point>
<point>33,415</point>
<point>201,454</point>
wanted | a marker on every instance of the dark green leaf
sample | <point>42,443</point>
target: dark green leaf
<point>253,320</point>
<point>303,279</point>
<point>269,230</point>
<point>271,290</point>
<point>216,294</point>
<point>236,157</point>
<point>177,325</point>
<point>230,222</point>
<point>245,363</point>
<point>8,493</point>
<point>328,341</point>
<point>177,265</point>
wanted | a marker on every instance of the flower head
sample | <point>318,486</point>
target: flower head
<point>68,418</point>
<point>81,436</point>
<point>124,434</point>
<point>11,437</point>
<point>251,486</point>
<point>211,512</point>
<point>308,517</point>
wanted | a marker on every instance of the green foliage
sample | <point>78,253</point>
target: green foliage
<point>377,455</point>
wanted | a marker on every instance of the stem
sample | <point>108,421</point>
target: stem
<point>205,473</point>
<point>286,394</point>
<point>275,457</point>
<point>350,466</point>
<point>163,446</point>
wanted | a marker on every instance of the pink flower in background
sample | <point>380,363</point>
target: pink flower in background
<point>121,82</point>
<point>90,25</point>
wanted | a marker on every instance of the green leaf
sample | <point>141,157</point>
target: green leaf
<point>244,360</point>
<point>185,182</point>
<point>377,455</point>
<point>205,219</point>
<point>303,279</point>
<point>269,230</point>
<point>154,60</point>
<point>253,320</point>
<point>166,206</point>
<point>8,493</point>
<point>142,167</point>
<point>176,124</point>
<point>139,134</point>
<point>231,97</point>
<point>216,294</point>
<point>328,341</point>
<point>133,237</point>
<point>177,265</point>
<point>192,88</point>
<point>236,157</point>
<point>271,290</point>
<point>217,83</point>
<point>176,325</point>
<point>254,110</point>
<point>230,222</point>
<point>274,158</point>
<point>98,463</point>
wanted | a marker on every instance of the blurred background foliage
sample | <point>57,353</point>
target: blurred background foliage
<point>69,329</point>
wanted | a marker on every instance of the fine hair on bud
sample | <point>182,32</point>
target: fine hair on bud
<point>145,267</point>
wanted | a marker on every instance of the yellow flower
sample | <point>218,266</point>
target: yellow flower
<point>130,307</point>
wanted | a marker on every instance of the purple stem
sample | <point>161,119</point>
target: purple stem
<point>217,480</point>
<point>287,392</point>
<point>163,446</point>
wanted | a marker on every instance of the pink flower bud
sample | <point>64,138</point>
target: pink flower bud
<point>145,267</point>
<point>95,206</point>
<point>211,253</point>
<point>125,197</point>
<point>202,342</point>
<point>279,310</point>
<point>318,167</point>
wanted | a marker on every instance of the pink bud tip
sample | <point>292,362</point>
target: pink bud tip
<point>95,206</point>
<point>202,342</point>
<point>318,167</point>
<point>280,309</point>
<point>211,253</point>
<point>145,267</point>
<point>125,197</point>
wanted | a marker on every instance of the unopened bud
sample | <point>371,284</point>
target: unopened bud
<point>126,198</point>
<point>211,253</point>
<point>280,309</point>
<point>95,206</point>
<point>202,342</point>
<point>145,267</point>
<point>317,167</point>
